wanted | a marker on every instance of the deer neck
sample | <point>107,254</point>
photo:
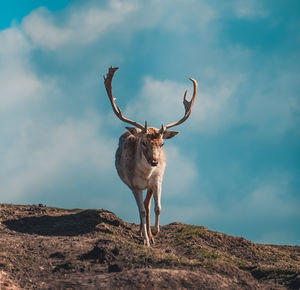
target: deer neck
<point>143,167</point>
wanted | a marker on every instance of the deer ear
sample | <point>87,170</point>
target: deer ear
<point>132,130</point>
<point>169,134</point>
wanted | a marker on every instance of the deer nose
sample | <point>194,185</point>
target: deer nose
<point>154,163</point>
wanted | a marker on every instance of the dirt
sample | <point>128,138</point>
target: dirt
<point>51,248</point>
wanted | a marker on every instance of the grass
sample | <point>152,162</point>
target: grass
<point>194,238</point>
<point>158,257</point>
<point>190,232</point>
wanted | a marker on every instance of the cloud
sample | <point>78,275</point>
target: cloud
<point>272,109</point>
<point>181,173</point>
<point>272,211</point>
<point>261,213</point>
<point>86,23</point>
<point>266,200</point>
<point>18,85</point>
<point>160,102</point>
<point>154,101</point>
<point>43,155</point>
<point>46,148</point>
<point>230,102</point>
<point>74,26</point>
<point>181,16</point>
<point>218,108</point>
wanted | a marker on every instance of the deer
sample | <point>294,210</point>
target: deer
<point>140,159</point>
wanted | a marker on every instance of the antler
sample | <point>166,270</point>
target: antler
<point>117,110</point>
<point>187,105</point>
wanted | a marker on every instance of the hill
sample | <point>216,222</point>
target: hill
<point>43,247</point>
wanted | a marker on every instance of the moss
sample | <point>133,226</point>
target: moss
<point>203,253</point>
<point>158,257</point>
<point>190,232</point>
<point>211,256</point>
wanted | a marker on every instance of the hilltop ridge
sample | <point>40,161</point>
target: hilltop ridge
<point>43,247</point>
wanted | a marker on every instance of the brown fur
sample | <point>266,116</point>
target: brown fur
<point>140,162</point>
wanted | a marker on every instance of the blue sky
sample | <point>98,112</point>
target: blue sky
<point>234,167</point>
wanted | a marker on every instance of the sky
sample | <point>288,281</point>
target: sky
<point>234,167</point>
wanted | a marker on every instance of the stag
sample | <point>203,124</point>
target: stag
<point>140,158</point>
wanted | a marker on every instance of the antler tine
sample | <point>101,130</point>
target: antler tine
<point>187,106</point>
<point>107,82</point>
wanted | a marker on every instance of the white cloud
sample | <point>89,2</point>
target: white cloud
<point>42,150</point>
<point>220,106</point>
<point>180,15</point>
<point>40,27</point>
<point>43,154</point>
<point>79,26</point>
<point>14,42</point>
<point>18,84</point>
<point>262,214</point>
<point>17,87</point>
<point>181,172</point>
<point>217,106</point>
<point>37,150</point>
<point>269,199</point>
<point>272,109</point>
<point>160,102</point>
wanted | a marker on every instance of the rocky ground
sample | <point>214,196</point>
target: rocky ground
<point>51,248</point>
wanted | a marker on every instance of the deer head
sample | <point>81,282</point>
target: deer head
<point>150,138</point>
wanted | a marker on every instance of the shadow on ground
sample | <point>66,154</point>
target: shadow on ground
<point>63,225</point>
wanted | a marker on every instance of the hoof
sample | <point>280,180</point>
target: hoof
<point>146,243</point>
<point>155,231</point>
<point>152,240</point>
<point>141,232</point>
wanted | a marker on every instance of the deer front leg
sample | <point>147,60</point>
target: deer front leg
<point>138,194</point>
<point>147,204</point>
<point>157,209</point>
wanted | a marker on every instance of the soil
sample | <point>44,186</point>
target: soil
<point>51,248</point>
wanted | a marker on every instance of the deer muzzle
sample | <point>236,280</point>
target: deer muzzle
<point>153,163</point>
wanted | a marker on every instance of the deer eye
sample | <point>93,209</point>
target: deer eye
<point>143,143</point>
<point>161,145</point>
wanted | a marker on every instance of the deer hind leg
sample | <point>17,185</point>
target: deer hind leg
<point>157,209</point>
<point>138,194</point>
<point>147,204</point>
<point>141,227</point>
